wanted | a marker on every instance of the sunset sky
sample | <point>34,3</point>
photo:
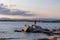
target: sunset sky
<point>29,9</point>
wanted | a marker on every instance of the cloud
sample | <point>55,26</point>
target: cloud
<point>4,10</point>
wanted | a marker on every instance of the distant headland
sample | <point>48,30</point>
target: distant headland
<point>29,20</point>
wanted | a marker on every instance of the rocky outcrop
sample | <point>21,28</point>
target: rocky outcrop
<point>34,29</point>
<point>17,31</point>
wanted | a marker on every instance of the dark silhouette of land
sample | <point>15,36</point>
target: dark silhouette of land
<point>27,20</point>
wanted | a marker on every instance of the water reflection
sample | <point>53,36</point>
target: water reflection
<point>7,30</point>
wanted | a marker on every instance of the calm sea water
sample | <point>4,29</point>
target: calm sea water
<point>7,30</point>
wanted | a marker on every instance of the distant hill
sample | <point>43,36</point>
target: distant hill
<point>32,20</point>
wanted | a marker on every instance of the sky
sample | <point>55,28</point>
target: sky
<point>29,9</point>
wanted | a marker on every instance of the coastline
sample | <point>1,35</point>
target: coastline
<point>54,21</point>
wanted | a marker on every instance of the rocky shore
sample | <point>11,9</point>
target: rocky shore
<point>38,29</point>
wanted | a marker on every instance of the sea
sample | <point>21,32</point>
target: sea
<point>7,30</point>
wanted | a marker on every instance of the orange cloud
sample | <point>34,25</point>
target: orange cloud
<point>16,17</point>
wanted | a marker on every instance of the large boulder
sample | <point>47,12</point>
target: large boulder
<point>26,29</point>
